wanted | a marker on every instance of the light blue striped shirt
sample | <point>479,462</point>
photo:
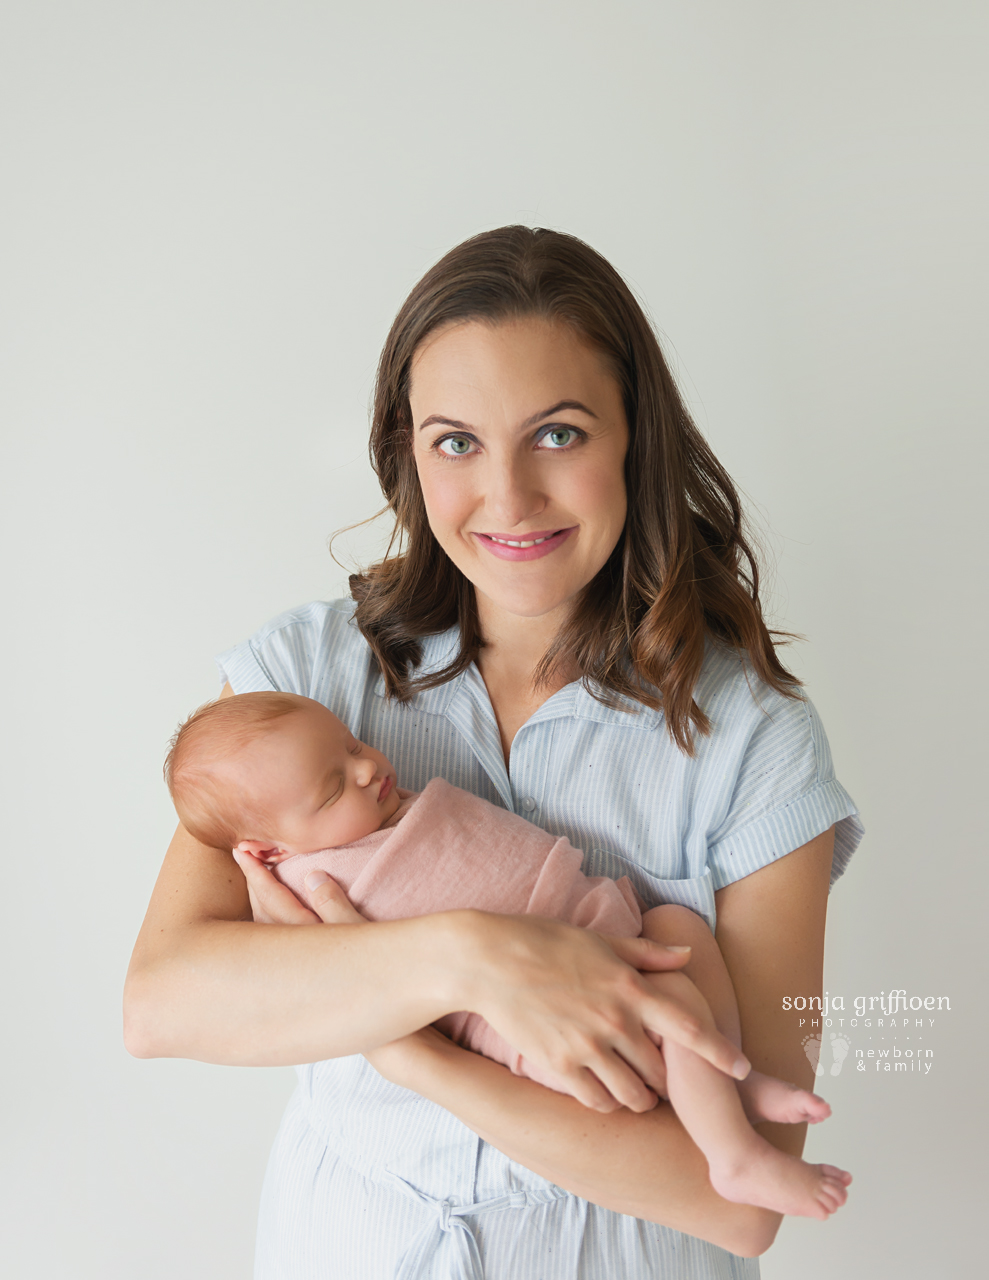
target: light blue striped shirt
<point>368,1181</point>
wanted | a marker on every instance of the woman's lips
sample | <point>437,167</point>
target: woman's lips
<point>386,787</point>
<point>545,540</point>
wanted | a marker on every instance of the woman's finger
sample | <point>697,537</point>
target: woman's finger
<point>330,902</point>
<point>588,1089</point>
<point>706,1042</point>
<point>693,1028</point>
<point>633,1069</point>
<point>271,902</point>
<point>623,1085</point>
<point>680,1013</point>
<point>643,953</point>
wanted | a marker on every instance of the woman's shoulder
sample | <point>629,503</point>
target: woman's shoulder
<point>298,651</point>
<point>322,618</point>
<point>737,701</point>
<point>774,749</point>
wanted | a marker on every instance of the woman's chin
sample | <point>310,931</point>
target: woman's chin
<point>526,606</point>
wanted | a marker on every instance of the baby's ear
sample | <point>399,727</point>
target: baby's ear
<point>263,850</point>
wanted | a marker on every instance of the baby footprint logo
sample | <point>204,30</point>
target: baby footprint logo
<point>839,1051</point>
<point>812,1048</point>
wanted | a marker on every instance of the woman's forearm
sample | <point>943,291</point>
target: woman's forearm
<point>205,982</point>
<point>644,1165</point>
<point>208,982</point>
<point>243,994</point>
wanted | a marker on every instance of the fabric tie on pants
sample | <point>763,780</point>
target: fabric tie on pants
<point>445,1248</point>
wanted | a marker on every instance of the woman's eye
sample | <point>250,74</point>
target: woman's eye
<point>454,446</point>
<point>559,437</point>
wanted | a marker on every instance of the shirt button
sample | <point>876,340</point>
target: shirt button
<point>528,804</point>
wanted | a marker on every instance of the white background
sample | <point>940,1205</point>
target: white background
<point>211,212</point>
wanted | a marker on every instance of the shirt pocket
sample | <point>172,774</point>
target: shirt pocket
<point>695,893</point>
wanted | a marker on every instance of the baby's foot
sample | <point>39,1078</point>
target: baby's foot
<point>773,1180</point>
<point>766,1098</point>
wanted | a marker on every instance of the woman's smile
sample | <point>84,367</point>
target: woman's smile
<point>525,546</point>
<point>520,443</point>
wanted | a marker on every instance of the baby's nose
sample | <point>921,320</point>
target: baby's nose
<point>366,770</point>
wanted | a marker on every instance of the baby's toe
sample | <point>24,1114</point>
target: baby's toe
<point>834,1194</point>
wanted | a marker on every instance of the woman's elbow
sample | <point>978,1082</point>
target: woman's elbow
<point>741,1229</point>
<point>143,1028</point>
<point>754,1233</point>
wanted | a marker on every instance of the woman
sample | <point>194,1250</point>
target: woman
<point>570,628</point>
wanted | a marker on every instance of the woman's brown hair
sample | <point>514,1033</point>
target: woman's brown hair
<point>682,569</point>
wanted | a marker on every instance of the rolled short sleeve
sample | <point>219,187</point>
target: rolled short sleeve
<point>316,651</point>
<point>244,669</point>
<point>279,656</point>
<point>785,793</point>
<point>301,652</point>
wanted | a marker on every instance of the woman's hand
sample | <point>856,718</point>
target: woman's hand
<point>273,903</point>
<point>574,1002</point>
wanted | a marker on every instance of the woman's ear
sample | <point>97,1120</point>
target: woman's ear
<point>264,851</point>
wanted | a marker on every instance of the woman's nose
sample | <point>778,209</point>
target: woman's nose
<point>512,492</point>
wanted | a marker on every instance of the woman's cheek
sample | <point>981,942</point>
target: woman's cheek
<point>447,499</point>
<point>598,497</point>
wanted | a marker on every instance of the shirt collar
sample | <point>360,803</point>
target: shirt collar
<point>573,701</point>
<point>628,713</point>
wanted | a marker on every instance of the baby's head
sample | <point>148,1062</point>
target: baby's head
<point>276,774</point>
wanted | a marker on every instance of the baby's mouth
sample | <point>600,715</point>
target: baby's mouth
<point>385,788</point>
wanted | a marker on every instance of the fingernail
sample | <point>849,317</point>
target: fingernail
<point>678,948</point>
<point>315,878</point>
<point>237,855</point>
<point>741,1068</point>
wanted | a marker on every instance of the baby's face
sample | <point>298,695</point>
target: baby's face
<point>320,786</point>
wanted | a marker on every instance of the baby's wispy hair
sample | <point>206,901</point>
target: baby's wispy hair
<point>221,816</point>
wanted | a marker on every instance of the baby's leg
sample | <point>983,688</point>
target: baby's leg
<point>743,1166</point>
<point>763,1097</point>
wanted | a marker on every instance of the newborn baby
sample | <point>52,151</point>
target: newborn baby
<point>279,776</point>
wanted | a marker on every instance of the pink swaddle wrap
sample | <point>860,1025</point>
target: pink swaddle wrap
<point>451,851</point>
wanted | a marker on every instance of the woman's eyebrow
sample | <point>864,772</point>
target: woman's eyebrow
<point>435,418</point>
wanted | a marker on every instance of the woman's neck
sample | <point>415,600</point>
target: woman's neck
<point>513,649</point>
